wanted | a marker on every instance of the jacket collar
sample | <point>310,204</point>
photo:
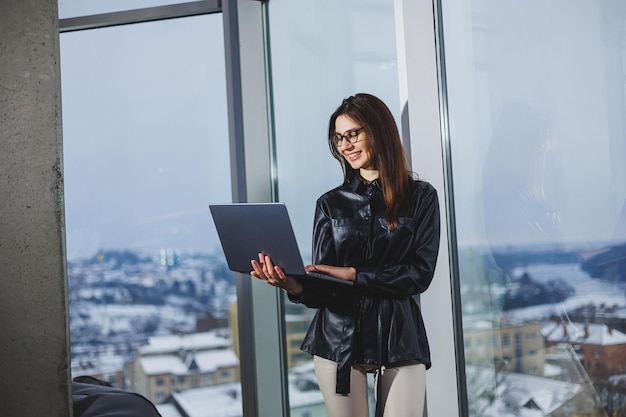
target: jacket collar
<point>360,186</point>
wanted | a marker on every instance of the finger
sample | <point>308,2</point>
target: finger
<point>318,268</point>
<point>257,270</point>
<point>266,269</point>
<point>270,267</point>
<point>269,263</point>
<point>328,269</point>
<point>280,273</point>
<point>256,266</point>
<point>262,260</point>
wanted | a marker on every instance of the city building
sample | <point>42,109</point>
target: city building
<point>305,399</point>
<point>601,349</point>
<point>168,364</point>
<point>507,346</point>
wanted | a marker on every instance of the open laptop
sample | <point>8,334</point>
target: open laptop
<point>245,229</point>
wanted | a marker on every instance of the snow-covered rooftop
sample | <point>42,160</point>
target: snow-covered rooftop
<point>524,395</point>
<point>167,410</point>
<point>225,400</point>
<point>194,341</point>
<point>591,334</point>
<point>165,364</point>
<point>207,361</point>
<point>547,394</point>
<point>217,401</point>
<point>215,359</point>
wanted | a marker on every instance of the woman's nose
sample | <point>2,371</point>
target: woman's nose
<point>346,143</point>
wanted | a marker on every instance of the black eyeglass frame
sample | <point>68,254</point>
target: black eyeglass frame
<point>351,136</point>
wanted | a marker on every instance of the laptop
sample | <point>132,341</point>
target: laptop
<point>245,229</point>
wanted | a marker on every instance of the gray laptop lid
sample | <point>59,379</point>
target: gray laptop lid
<point>245,229</point>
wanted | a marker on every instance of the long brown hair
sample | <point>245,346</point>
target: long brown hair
<point>383,140</point>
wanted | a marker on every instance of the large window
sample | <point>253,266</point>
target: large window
<point>536,96</point>
<point>339,49</point>
<point>146,149</point>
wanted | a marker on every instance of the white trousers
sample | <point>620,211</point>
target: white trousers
<point>403,390</point>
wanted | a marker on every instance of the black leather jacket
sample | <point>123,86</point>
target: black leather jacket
<point>376,321</point>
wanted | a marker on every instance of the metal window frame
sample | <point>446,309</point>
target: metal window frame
<point>148,14</point>
<point>261,307</point>
<point>455,273</point>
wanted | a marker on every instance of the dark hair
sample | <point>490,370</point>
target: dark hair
<point>383,140</point>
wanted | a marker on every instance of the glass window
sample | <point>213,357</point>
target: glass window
<point>146,150</point>
<point>338,49</point>
<point>536,100</point>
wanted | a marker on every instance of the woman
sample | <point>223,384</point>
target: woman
<point>380,229</point>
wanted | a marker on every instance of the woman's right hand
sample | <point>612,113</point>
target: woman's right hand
<point>265,269</point>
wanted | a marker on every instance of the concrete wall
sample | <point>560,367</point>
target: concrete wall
<point>34,343</point>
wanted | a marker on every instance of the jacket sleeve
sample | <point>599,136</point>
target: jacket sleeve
<point>413,272</point>
<point>323,294</point>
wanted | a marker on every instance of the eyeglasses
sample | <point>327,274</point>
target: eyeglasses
<point>351,136</point>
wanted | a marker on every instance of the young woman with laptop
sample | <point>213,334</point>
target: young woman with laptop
<point>379,229</point>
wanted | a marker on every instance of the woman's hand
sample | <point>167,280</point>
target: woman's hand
<point>265,269</point>
<point>346,273</point>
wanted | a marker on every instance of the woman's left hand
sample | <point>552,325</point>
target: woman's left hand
<point>346,273</point>
<point>265,269</point>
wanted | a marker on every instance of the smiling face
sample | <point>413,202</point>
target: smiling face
<point>356,154</point>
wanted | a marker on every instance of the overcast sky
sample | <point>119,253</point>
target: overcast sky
<point>76,8</point>
<point>144,135</point>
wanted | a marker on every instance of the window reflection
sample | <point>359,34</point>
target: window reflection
<point>536,94</point>
<point>517,208</point>
<point>145,152</point>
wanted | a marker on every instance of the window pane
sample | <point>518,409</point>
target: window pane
<point>537,128</point>
<point>318,61</point>
<point>77,8</point>
<point>146,150</point>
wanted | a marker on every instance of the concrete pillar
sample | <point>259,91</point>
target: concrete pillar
<point>34,338</point>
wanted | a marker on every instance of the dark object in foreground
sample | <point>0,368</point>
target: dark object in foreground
<point>92,397</point>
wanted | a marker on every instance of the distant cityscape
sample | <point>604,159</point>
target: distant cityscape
<point>548,337</point>
<point>552,326</point>
<point>165,326</point>
<point>118,299</point>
